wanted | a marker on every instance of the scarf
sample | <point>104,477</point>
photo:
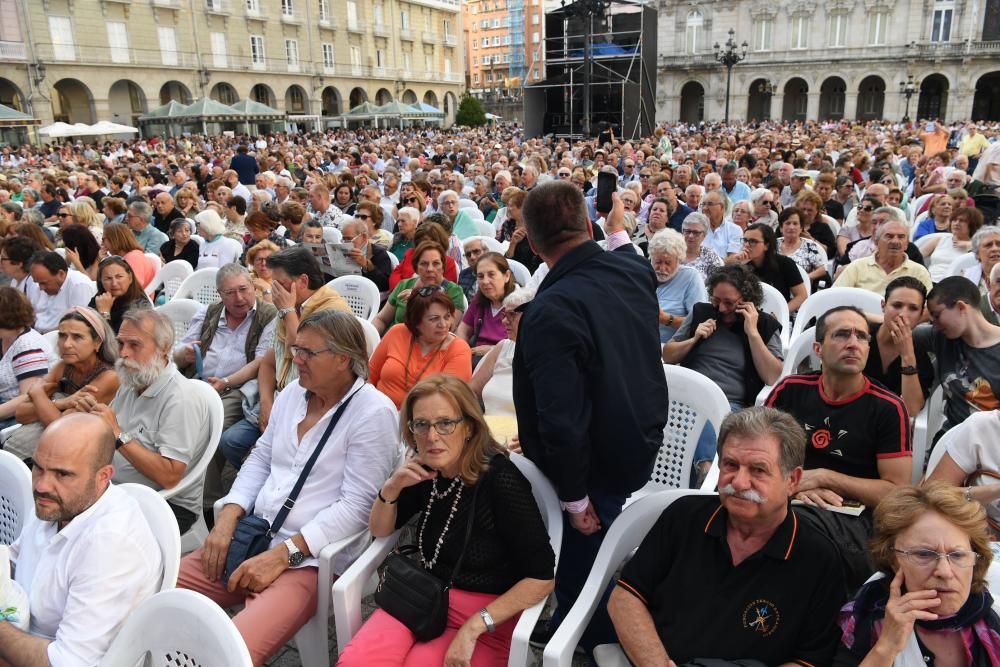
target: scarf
<point>325,298</point>
<point>862,618</point>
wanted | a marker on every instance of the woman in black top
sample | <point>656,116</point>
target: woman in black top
<point>456,473</point>
<point>760,253</point>
<point>180,245</point>
<point>117,291</point>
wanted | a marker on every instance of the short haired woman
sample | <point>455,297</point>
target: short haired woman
<point>180,245</point>
<point>805,252</point>
<point>457,473</point>
<point>428,261</point>
<point>760,254</point>
<point>698,255</point>
<point>420,346</point>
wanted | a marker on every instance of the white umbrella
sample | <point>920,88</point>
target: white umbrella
<point>59,129</point>
<point>81,130</point>
<point>107,127</point>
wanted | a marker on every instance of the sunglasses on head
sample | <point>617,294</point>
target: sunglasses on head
<point>429,290</point>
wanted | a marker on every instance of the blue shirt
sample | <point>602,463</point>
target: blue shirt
<point>678,295</point>
<point>725,240</point>
<point>741,192</point>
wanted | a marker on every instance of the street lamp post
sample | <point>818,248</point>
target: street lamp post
<point>586,10</point>
<point>908,88</point>
<point>729,57</point>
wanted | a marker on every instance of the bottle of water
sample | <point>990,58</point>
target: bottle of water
<point>13,599</point>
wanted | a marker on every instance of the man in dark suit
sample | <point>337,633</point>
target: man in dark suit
<point>244,166</point>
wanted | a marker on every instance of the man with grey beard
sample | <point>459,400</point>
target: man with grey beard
<point>768,576</point>
<point>160,426</point>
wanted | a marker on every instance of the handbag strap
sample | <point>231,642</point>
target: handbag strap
<point>468,534</point>
<point>289,503</point>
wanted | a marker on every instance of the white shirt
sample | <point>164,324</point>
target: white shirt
<point>77,290</point>
<point>218,252</point>
<point>227,353</point>
<point>84,580</point>
<point>339,493</point>
<point>242,191</point>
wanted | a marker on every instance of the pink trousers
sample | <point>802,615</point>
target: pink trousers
<point>269,619</point>
<point>384,641</point>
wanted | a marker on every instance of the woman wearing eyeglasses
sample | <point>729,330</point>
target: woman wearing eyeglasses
<point>373,216</point>
<point>428,261</point>
<point>931,604</point>
<point>760,254</point>
<point>420,346</point>
<point>864,228</point>
<point>698,255</point>
<point>117,291</point>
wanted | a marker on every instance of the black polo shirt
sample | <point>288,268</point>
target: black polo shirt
<point>779,605</point>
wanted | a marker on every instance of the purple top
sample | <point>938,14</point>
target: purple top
<point>492,331</point>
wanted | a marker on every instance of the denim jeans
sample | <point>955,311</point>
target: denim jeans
<point>237,440</point>
<point>707,445</point>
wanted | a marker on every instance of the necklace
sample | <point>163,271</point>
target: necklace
<point>409,353</point>
<point>438,495</point>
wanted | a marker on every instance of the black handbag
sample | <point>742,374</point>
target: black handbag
<point>413,595</point>
<point>713,662</point>
<point>253,534</point>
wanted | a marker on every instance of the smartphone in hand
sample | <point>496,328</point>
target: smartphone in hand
<point>606,184</point>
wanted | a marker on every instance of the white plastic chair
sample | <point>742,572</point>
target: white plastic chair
<point>694,402</point>
<point>806,280</point>
<point>16,499</point>
<point>332,235</point>
<point>968,260</point>
<point>491,243</point>
<point>194,476</point>
<point>925,426</point>
<point>178,627</point>
<point>485,228</point>
<point>361,294</point>
<point>393,260</point>
<point>171,276</point>
<point>775,305</point>
<point>521,273</point>
<point>200,286</point>
<point>359,580</point>
<point>312,640</point>
<point>623,537</point>
<point>154,261</point>
<point>924,241</point>
<point>52,340</point>
<point>824,300</point>
<point>180,312</point>
<point>161,521</point>
<point>467,204</point>
<point>800,350</point>
<point>372,336</point>
<point>941,448</point>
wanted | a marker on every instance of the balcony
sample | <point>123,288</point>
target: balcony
<point>406,34</point>
<point>450,40</point>
<point>357,25</point>
<point>12,51</point>
<point>291,18</point>
<point>220,7</point>
<point>429,37</point>
<point>294,66</point>
<point>254,11</point>
<point>103,55</point>
<point>169,4</point>
<point>329,70</point>
<point>381,29</point>
<point>328,22</point>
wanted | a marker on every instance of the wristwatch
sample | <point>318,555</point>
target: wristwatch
<point>122,438</point>
<point>908,370</point>
<point>487,619</point>
<point>295,557</point>
<point>283,312</point>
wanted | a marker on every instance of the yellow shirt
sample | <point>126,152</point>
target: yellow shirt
<point>867,274</point>
<point>973,146</point>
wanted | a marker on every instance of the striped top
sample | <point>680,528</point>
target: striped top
<point>25,358</point>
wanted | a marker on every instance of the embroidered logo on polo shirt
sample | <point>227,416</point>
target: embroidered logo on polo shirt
<point>762,617</point>
<point>821,439</point>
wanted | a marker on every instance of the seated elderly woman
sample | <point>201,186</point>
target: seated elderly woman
<point>805,252</point>
<point>217,249</point>
<point>118,291</point>
<point>87,351</point>
<point>986,248</point>
<point>406,229</point>
<point>180,245</point>
<point>698,255</point>
<point>939,212</point>
<point>931,606</point>
<point>656,221</point>
<point>461,221</point>
<point>457,476</point>
<point>679,286</point>
<point>23,353</point>
<point>260,272</point>
<point>422,345</point>
<point>428,260</point>
<point>493,380</point>
<point>941,251</point>
<point>373,217</point>
<point>482,326</point>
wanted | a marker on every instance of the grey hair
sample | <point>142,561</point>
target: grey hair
<point>141,209</point>
<point>481,180</point>
<point>880,230</point>
<point>410,211</point>
<point>696,218</point>
<point>231,270</point>
<point>994,273</point>
<point>629,222</point>
<point>32,192</point>
<point>447,193</point>
<point>761,421</point>
<point>163,328</point>
<point>521,296</point>
<point>670,242</point>
<point>34,216</point>
<point>343,335</point>
<point>896,214</point>
<point>758,194</point>
<point>984,231</point>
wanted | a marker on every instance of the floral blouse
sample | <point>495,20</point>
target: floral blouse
<point>809,255</point>
<point>707,260</point>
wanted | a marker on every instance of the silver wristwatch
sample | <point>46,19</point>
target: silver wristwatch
<point>122,438</point>
<point>487,619</point>
<point>295,557</point>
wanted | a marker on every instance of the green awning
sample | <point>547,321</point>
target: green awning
<point>14,118</point>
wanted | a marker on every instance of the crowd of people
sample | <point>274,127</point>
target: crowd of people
<point>510,292</point>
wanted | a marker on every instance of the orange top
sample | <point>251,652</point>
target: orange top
<point>398,363</point>
<point>141,267</point>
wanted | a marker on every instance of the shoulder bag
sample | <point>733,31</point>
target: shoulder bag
<point>253,534</point>
<point>415,596</point>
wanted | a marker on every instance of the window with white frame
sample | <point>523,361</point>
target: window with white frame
<point>944,10</point>
<point>428,22</point>
<point>287,8</point>
<point>489,76</point>
<point>838,30</point>
<point>297,101</point>
<point>535,19</point>
<point>352,14</point>
<point>168,45</point>
<point>535,38</point>
<point>763,31</point>
<point>447,27</point>
<point>692,32</point>
<point>380,58</point>
<point>429,62</point>
<point>118,41</point>
<point>878,26</point>
<point>63,45</point>
<point>257,51</point>
<point>407,61</point>
<point>253,6</point>
<point>475,77</point>
<point>219,55</point>
<point>800,31</point>
<point>484,24</point>
<point>292,54</point>
<point>378,13</point>
<point>328,61</point>
<point>495,23</point>
<point>506,40</point>
<point>496,40</point>
<point>534,74</point>
<point>447,66</point>
<point>475,44</point>
<point>356,58</point>
<point>404,19</point>
<point>324,10</point>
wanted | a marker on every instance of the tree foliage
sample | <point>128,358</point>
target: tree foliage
<point>470,112</point>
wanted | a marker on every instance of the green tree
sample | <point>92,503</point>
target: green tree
<point>470,112</point>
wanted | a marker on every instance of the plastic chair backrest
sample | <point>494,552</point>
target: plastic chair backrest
<point>180,312</point>
<point>775,305</point>
<point>485,228</point>
<point>200,286</point>
<point>171,276</point>
<point>491,243</point>
<point>806,280</point>
<point>961,263</point>
<point>195,473</point>
<point>52,340</point>
<point>372,337</point>
<point>824,300</point>
<point>393,260</point>
<point>154,261</point>
<point>360,294</point>
<point>467,203</point>
<point>200,634</point>
<point>923,241</point>
<point>163,525</point>
<point>16,499</point>
<point>694,400</point>
<point>521,273</point>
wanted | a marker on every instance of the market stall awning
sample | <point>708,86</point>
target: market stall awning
<point>422,110</point>
<point>13,118</point>
<point>163,113</point>
<point>59,129</point>
<point>205,108</point>
<point>363,110</point>
<point>394,108</point>
<point>255,109</point>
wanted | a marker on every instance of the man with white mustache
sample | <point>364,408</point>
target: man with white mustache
<point>876,271</point>
<point>160,425</point>
<point>768,576</point>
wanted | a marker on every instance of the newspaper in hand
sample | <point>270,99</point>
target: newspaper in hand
<point>335,259</point>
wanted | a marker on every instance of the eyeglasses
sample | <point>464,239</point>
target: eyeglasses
<point>692,232</point>
<point>473,253</point>
<point>643,175</point>
<point>242,291</point>
<point>564,174</point>
<point>361,216</point>
<point>422,427</point>
<point>747,241</point>
<point>410,200</point>
<point>510,315</point>
<point>306,353</point>
<point>64,215</point>
<point>844,335</point>
<point>929,558</point>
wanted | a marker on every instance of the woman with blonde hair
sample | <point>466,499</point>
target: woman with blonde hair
<point>260,273</point>
<point>84,212</point>
<point>459,481</point>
